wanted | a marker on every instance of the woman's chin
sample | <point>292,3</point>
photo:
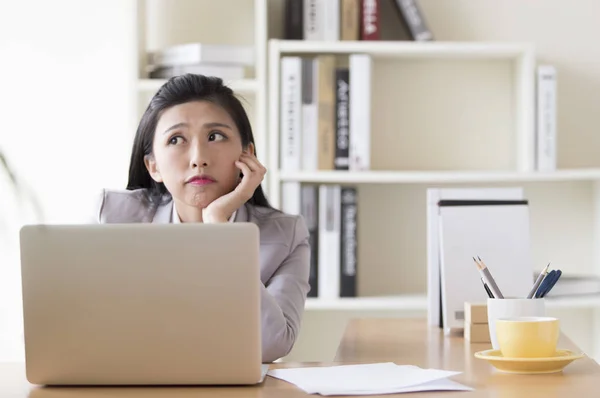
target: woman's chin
<point>201,199</point>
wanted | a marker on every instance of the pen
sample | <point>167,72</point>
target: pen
<point>487,276</point>
<point>550,284</point>
<point>487,289</point>
<point>538,281</point>
<point>544,283</point>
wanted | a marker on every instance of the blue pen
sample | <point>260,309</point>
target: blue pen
<point>552,283</point>
<point>544,284</point>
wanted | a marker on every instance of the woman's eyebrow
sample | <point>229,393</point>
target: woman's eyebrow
<point>175,126</point>
<point>217,124</point>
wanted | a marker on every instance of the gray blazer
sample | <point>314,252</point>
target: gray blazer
<point>284,260</point>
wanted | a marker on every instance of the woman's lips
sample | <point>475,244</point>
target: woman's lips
<point>200,180</point>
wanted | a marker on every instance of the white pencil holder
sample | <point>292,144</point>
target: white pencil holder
<point>511,307</point>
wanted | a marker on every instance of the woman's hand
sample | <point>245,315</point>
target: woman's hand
<point>222,208</point>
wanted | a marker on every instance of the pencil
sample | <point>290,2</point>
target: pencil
<point>487,289</point>
<point>485,273</point>
<point>538,281</point>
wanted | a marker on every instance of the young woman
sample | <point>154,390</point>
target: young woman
<point>194,160</point>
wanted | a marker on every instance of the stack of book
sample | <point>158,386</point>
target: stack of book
<point>325,113</point>
<point>229,62</point>
<point>331,214</point>
<point>332,20</point>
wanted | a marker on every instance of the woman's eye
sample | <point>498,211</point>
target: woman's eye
<point>175,140</point>
<point>216,136</point>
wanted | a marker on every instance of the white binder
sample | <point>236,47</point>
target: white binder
<point>475,224</point>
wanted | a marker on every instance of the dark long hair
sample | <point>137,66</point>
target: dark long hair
<point>175,91</point>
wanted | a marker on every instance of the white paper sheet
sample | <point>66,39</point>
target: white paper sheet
<point>436,385</point>
<point>368,379</point>
<point>264,369</point>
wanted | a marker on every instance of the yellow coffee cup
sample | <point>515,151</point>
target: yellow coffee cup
<point>527,337</point>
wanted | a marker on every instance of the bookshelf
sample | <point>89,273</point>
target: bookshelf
<point>162,23</point>
<point>411,151</point>
<point>421,137</point>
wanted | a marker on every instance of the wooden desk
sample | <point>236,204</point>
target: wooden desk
<point>413,342</point>
<point>365,341</point>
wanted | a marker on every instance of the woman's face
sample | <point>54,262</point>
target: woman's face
<point>195,148</point>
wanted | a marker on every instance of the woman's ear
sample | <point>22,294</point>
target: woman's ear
<point>152,168</point>
<point>250,149</point>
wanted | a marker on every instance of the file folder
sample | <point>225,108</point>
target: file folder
<point>492,223</point>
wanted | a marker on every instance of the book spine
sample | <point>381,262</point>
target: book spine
<point>350,20</point>
<point>331,19</point>
<point>310,116</point>
<point>326,111</point>
<point>360,112</point>
<point>370,26</point>
<point>412,18</point>
<point>197,53</point>
<point>349,244</point>
<point>329,241</point>
<point>546,118</point>
<point>293,17</point>
<point>291,197</point>
<point>310,212</point>
<point>312,20</point>
<point>342,119</point>
<point>225,72</point>
<point>291,102</point>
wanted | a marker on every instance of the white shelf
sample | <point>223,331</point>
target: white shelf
<point>573,302</point>
<point>395,177</point>
<point>419,303</point>
<point>242,86</point>
<point>404,303</point>
<point>407,49</point>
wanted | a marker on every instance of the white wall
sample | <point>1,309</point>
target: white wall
<point>66,77</point>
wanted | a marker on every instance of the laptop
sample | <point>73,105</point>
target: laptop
<point>142,304</point>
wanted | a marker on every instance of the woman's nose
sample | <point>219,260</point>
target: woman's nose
<point>199,156</point>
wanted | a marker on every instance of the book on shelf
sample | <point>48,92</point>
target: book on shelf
<point>413,20</point>
<point>225,72</point>
<point>370,20</point>
<point>546,123</point>
<point>338,20</point>
<point>342,119</point>
<point>228,62</point>
<point>360,114</point>
<point>309,116</point>
<point>331,215</point>
<point>325,113</point>
<point>290,105</point>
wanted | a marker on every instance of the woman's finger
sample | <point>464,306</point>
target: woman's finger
<point>247,161</point>
<point>253,163</point>
<point>244,167</point>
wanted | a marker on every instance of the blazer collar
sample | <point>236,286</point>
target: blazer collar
<point>163,214</point>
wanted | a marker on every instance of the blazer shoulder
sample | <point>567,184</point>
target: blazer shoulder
<point>122,206</point>
<point>277,227</point>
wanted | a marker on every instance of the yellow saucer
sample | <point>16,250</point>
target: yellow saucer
<point>529,365</point>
